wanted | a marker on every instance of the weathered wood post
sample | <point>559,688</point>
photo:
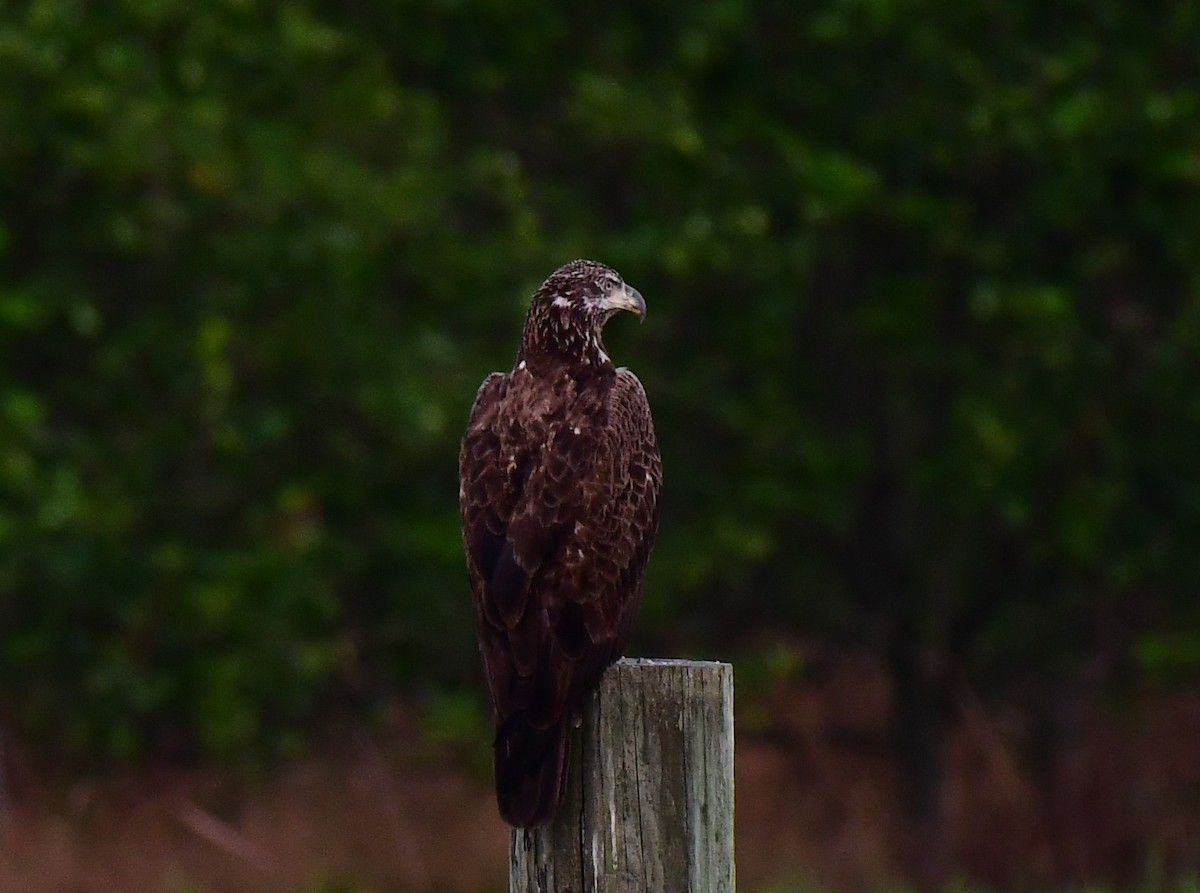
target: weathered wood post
<point>649,803</point>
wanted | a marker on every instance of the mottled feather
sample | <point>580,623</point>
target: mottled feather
<point>559,482</point>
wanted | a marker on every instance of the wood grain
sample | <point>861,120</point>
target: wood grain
<point>649,805</point>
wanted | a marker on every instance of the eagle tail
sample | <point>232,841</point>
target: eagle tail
<point>531,770</point>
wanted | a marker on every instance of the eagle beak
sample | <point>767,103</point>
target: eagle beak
<point>627,298</point>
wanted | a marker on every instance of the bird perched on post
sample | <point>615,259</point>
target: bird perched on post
<point>559,477</point>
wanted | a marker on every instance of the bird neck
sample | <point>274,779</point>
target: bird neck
<point>556,340</point>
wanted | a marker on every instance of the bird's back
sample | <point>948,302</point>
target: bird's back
<point>560,482</point>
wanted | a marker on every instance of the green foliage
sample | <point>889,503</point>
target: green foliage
<point>924,323</point>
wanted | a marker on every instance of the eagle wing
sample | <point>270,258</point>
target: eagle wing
<point>559,495</point>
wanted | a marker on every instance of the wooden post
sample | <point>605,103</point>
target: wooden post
<point>649,803</point>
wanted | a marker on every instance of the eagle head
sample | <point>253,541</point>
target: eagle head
<point>568,313</point>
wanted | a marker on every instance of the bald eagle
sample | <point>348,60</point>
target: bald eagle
<point>559,476</point>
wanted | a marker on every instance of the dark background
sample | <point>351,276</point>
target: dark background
<point>922,352</point>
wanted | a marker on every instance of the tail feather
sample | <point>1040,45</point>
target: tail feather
<point>531,770</point>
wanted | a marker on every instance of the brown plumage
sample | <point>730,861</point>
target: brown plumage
<point>559,478</point>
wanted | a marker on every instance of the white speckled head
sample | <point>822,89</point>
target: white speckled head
<point>568,313</point>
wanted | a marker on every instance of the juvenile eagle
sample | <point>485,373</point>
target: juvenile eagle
<point>559,476</point>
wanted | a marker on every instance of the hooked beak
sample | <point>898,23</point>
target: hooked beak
<point>626,298</point>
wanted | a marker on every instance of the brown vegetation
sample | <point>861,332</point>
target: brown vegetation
<point>1118,804</point>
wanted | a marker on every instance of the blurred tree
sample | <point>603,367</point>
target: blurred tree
<point>922,344</point>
